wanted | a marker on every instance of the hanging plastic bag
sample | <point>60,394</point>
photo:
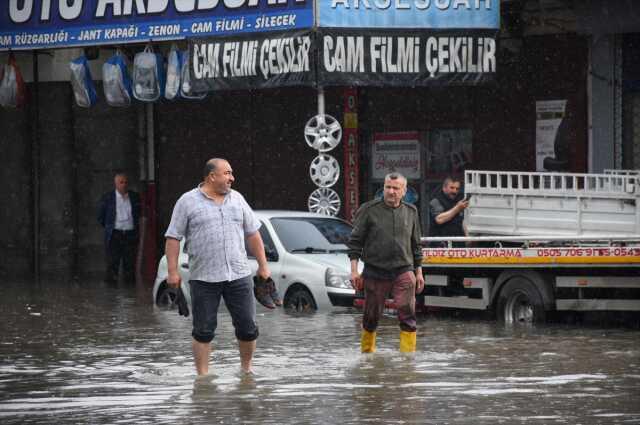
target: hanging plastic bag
<point>185,86</point>
<point>116,81</point>
<point>81,82</point>
<point>148,75</point>
<point>174,69</point>
<point>13,91</point>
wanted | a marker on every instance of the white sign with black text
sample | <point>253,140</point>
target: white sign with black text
<point>396,153</point>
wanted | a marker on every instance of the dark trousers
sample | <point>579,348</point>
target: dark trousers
<point>239,299</point>
<point>121,249</point>
<point>403,291</point>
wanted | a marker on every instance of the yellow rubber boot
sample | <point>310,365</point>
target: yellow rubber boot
<point>368,341</point>
<point>407,342</point>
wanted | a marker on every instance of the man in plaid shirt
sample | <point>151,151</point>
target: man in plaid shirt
<point>216,220</point>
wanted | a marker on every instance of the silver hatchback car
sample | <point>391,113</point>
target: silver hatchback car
<point>307,257</point>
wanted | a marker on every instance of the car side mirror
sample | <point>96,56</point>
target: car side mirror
<point>270,253</point>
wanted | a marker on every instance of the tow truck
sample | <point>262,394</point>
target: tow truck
<point>539,243</point>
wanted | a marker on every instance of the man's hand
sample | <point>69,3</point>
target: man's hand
<point>174,280</point>
<point>419,281</point>
<point>263,272</point>
<point>357,282</point>
<point>462,205</point>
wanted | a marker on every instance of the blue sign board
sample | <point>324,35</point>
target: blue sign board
<point>34,24</point>
<point>424,14</point>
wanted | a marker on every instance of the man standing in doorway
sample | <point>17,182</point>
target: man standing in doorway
<point>446,211</point>
<point>386,236</point>
<point>119,214</point>
<point>216,220</point>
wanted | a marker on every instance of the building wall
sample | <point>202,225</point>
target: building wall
<point>16,240</point>
<point>79,149</point>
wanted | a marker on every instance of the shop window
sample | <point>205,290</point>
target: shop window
<point>447,152</point>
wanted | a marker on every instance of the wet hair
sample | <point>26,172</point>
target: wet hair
<point>451,179</point>
<point>211,165</point>
<point>395,176</point>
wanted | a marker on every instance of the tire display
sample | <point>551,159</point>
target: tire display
<point>323,133</point>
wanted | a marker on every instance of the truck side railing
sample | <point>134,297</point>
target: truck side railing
<point>612,185</point>
<point>555,204</point>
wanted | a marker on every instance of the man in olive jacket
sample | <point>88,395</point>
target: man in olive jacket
<point>386,236</point>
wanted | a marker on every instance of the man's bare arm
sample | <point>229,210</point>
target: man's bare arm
<point>450,214</point>
<point>256,246</point>
<point>172,251</point>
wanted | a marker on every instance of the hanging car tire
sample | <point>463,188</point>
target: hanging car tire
<point>299,299</point>
<point>520,302</point>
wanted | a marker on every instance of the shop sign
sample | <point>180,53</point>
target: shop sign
<point>396,152</point>
<point>252,62</point>
<point>431,14</point>
<point>395,58</point>
<point>351,154</point>
<point>30,24</point>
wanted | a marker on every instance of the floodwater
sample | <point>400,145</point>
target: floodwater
<point>94,354</point>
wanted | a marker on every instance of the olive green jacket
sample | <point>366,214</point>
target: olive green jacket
<point>385,237</point>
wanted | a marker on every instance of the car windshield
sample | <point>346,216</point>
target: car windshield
<point>312,234</point>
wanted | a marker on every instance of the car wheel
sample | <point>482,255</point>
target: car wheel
<point>166,296</point>
<point>299,299</point>
<point>520,302</point>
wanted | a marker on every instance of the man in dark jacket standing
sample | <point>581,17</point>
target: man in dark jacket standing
<point>386,235</point>
<point>446,210</point>
<point>119,213</point>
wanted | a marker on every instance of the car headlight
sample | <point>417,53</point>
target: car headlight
<point>337,280</point>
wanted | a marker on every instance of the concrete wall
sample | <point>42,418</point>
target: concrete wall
<point>78,152</point>
<point>16,243</point>
<point>601,149</point>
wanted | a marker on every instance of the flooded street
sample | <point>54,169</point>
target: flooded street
<point>103,355</point>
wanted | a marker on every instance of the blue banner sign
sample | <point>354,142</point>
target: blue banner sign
<point>35,24</point>
<point>426,14</point>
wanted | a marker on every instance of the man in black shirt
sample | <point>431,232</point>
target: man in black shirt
<point>446,211</point>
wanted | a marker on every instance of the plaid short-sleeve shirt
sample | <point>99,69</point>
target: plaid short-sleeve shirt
<point>215,234</point>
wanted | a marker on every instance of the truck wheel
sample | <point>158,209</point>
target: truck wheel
<point>520,302</point>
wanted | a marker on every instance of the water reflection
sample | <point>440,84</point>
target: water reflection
<point>103,355</point>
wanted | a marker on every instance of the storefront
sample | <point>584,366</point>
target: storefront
<point>396,117</point>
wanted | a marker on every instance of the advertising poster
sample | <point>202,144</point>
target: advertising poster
<point>396,152</point>
<point>549,138</point>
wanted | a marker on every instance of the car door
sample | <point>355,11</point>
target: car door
<point>274,258</point>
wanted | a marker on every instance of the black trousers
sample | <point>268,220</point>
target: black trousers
<point>122,249</point>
